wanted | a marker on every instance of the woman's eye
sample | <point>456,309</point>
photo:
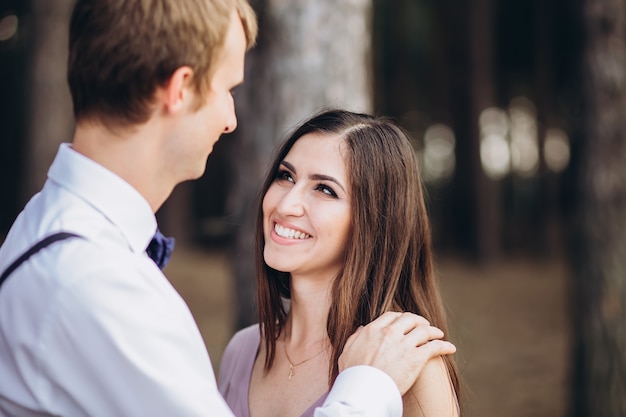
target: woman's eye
<point>283,175</point>
<point>326,190</point>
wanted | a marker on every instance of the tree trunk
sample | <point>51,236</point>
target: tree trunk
<point>310,54</point>
<point>476,206</point>
<point>600,256</point>
<point>14,55</point>
<point>49,120</point>
<point>545,217</point>
<point>176,216</point>
<point>487,205</point>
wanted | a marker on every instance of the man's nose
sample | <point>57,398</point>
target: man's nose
<point>231,123</point>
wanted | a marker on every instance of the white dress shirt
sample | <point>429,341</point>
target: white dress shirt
<point>91,327</point>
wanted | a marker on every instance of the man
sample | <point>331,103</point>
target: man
<point>89,326</point>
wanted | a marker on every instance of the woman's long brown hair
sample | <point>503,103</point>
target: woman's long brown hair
<point>388,258</point>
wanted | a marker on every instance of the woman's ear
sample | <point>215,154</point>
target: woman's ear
<point>177,90</point>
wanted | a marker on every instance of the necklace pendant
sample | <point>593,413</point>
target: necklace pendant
<point>291,373</point>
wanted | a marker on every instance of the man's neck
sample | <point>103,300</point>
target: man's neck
<point>131,153</point>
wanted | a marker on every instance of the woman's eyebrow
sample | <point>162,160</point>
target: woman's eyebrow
<point>288,166</point>
<point>315,177</point>
<point>321,177</point>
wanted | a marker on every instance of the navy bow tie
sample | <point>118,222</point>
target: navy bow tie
<point>160,249</point>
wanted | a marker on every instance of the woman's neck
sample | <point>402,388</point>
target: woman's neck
<point>306,322</point>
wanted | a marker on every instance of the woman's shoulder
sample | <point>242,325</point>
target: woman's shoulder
<point>245,336</point>
<point>243,344</point>
<point>246,339</point>
<point>433,393</point>
<point>236,368</point>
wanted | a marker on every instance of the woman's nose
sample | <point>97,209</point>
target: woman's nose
<point>292,203</point>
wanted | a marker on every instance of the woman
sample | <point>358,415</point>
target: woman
<point>342,236</point>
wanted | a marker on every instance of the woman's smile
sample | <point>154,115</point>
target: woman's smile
<point>289,233</point>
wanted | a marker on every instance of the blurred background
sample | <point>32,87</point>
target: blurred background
<point>517,109</point>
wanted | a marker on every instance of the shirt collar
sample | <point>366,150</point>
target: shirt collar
<point>108,193</point>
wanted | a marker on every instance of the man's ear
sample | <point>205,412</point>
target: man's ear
<point>177,90</point>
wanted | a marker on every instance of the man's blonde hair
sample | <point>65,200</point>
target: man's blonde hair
<point>120,51</point>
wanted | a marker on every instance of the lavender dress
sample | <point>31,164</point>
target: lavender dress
<point>236,371</point>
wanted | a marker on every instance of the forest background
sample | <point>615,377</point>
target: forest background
<point>517,109</point>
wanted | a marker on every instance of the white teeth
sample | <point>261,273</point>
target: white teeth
<point>289,233</point>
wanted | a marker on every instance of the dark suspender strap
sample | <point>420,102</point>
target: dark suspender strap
<point>56,237</point>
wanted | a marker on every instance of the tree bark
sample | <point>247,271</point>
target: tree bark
<point>545,216</point>
<point>310,54</point>
<point>50,119</point>
<point>476,206</point>
<point>600,256</point>
<point>487,205</point>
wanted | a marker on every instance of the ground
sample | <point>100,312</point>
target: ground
<point>508,320</point>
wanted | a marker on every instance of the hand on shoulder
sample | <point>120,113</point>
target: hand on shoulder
<point>399,344</point>
<point>433,394</point>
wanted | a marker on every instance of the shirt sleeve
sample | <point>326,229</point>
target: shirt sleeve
<point>362,391</point>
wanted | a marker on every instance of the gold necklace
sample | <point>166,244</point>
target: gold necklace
<point>293,365</point>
